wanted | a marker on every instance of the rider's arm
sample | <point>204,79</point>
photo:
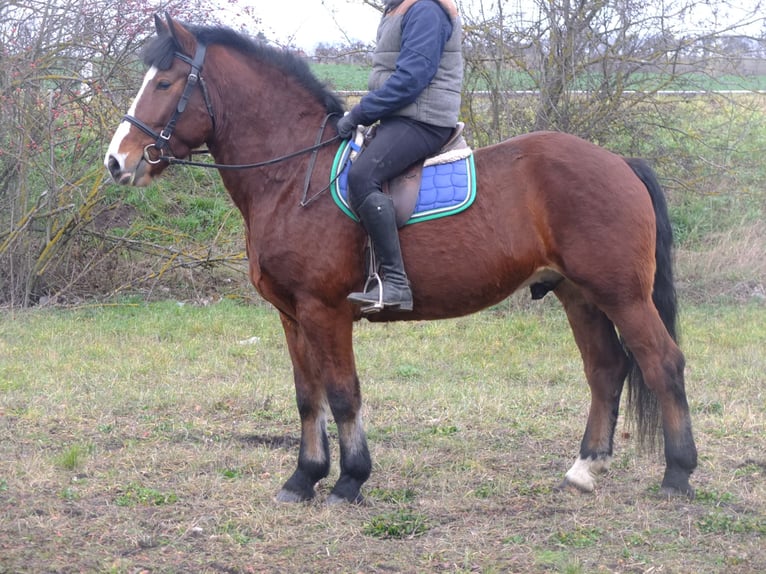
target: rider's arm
<point>425,31</point>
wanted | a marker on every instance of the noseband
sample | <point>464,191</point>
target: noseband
<point>162,139</point>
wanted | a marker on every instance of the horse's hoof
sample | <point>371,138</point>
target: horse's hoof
<point>669,492</point>
<point>567,485</point>
<point>675,484</point>
<point>334,499</point>
<point>580,475</point>
<point>290,496</point>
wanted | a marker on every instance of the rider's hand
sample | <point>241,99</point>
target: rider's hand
<point>347,124</point>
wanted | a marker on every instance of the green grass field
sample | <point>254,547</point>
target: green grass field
<point>153,438</point>
<point>353,77</point>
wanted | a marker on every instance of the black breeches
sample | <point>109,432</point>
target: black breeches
<point>398,143</point>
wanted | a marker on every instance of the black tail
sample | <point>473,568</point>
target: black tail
<point>642,401</point>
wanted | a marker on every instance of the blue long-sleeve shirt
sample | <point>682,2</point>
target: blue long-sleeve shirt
<point>426,27</point>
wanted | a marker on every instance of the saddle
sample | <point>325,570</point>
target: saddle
<point>404,188</point>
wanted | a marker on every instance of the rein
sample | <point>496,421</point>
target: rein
<point>191,163</point>
<point>314,150</point>
<point>162,139</point>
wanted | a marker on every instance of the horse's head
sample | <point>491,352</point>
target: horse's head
<point>170,116</point>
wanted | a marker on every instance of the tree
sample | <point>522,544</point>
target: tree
<point>67,71</point>
<point>589,63</point>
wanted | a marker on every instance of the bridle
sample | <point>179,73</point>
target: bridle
<point>162,139</point>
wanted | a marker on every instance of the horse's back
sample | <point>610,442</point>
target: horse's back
<point>565,179</point>
<point>548,205</point>
<point>550,159</point>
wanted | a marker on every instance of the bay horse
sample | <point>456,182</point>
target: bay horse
<point>552,212</point>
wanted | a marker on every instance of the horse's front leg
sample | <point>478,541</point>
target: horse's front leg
<point>320,344</point>
<point>314,454</point>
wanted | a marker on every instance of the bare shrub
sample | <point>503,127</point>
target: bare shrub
<point>68,70</point>
<point>732,265</point>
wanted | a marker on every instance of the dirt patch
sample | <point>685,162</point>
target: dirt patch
<point>118,215</point>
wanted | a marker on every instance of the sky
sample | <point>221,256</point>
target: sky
<point>306,23</point>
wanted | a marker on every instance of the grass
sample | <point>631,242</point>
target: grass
<point>342,76</point>
<point>135,494</point>
<point>71,458</point>
<point>396,524</point>
<point>354,77</point>
<point>155,436</point>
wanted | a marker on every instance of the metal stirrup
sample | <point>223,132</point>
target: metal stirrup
<point>374,277</point>
<point>378,305</point>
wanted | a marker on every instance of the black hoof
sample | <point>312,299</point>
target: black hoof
<point>673,492</point>
<point>285,495</point>
<point>675,483</point>
<point>346,490</point>
<point>334,499</point>
<point>298,488</point>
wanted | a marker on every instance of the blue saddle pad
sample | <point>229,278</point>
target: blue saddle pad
<point>446,188</point>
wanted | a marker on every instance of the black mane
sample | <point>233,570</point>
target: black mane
<point>160,53</point>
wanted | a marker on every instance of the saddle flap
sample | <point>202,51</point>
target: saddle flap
<point>404,190</point>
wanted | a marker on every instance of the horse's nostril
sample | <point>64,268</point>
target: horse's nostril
<point>114,168</point>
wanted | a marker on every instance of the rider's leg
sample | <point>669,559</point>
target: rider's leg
<point>398,143</point>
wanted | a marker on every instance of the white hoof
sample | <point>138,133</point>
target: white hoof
<point>583,472</point>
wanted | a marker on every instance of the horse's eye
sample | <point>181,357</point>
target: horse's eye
<point>163,85</point>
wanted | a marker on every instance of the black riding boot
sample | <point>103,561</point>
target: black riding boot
<point>378,218</point>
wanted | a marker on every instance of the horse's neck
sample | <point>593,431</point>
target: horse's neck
<point>266,114</point>
<point>265,185</point>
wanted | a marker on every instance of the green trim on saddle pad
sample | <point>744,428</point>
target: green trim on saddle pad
<point>423,212</point>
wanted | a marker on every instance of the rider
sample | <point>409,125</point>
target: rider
<point>415,86</point>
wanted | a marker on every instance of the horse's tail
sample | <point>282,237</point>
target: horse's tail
<point>642,402</point>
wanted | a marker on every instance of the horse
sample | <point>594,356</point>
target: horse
<point>552,212</point>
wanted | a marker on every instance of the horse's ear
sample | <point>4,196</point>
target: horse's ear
<point>159,25</point>
<point>171,26</point>
<point>181,35</point>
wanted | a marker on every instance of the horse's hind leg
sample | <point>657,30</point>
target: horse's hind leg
<point>325,376</point>
<point>662,369</point>
<point>606,366</point>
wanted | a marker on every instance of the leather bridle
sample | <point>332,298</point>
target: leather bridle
<point>162,139</point>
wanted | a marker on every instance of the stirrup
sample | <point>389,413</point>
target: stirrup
<point>372,277</point>
<point>376,307</point>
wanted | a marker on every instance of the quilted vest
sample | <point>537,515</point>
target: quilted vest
<point>439,103</point>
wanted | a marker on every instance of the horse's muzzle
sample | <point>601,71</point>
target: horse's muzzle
<point>138,176</point>
<point>115,169</point>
